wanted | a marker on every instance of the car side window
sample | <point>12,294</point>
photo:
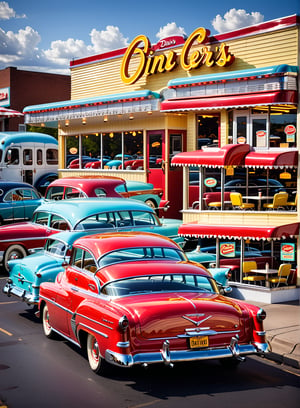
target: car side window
<point>72,192</point>
<point>27,194</point>
<point>123,219</point>
<point>41,218</point>
<point>77,258</point>
<point>143,218</point>
<point>55,193</point>
<point>100,192</point>
<point>83,260</point>
<point>59,223</point>
<point>89,263</point>
<point>17,195</point>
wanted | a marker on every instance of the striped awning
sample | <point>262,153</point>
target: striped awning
<point>198,230</point>
<point>9,113</point>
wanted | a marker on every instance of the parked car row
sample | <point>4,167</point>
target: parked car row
<point>133,298</point>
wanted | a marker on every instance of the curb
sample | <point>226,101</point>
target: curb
<point>283,352</point>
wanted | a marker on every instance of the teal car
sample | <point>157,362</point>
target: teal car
<point>27,274</point>
<point>18,201</point>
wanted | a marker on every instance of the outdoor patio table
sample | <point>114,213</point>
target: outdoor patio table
<point>266,272</point>
<point>259,199</point>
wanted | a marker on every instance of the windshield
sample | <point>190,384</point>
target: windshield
<point>139,254</point>
<point>158,284</point>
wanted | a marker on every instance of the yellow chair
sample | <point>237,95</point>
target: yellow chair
<point>214,204</point>
<point>283,275</point>
<point>279,201</point>
<point>237,202</point>
<point>249,276</point>
<point>293,204</point>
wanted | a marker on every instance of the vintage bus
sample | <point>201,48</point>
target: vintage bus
<point>30,157</point>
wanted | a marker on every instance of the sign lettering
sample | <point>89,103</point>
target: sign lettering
<point>149,63</point>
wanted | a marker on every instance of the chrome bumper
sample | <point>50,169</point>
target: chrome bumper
<point>169,357</point>
<point>22,294</point>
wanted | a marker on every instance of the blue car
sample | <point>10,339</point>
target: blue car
<point>17,201</point>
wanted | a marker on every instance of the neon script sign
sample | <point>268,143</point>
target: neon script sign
<point>149,63</point>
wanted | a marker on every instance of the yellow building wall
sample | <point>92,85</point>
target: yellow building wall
<point>104,78</point>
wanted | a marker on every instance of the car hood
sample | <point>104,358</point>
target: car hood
<point>22,229</point>
<point>172,314</point>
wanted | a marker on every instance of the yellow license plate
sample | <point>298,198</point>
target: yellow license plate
<point>198,342</point>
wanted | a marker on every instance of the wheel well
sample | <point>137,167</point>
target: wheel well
<point>42,305</point>
<point>82,338</point>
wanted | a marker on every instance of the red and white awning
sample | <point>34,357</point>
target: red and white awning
<point>198,230</point>
<point>9,113</point>
<point>228,155</point>
<point>272,159</point>
<point>229,101</point>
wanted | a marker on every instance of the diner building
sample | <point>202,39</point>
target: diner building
<point>202,117</point>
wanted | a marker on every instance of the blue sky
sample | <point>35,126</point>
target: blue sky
<point>46,35</point>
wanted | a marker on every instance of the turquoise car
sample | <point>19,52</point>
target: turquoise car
<point>18,201</point>
<point>27,274</point>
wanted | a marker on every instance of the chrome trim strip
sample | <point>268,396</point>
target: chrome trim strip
<point>23,239</point>
<point>260,333</point>
<point>94,321</point>
<point>95,331</point>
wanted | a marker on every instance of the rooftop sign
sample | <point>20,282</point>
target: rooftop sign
<point>150,63</point>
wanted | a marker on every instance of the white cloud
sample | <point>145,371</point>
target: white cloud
<point>169,30</point>
<point>235,19</point>
<point>61,52</point>
<point>7,12</point>
<point>107,40</point>
<point>15,47</point>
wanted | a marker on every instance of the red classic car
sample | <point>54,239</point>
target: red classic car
<point>133,298</point>
<point>106,186</point>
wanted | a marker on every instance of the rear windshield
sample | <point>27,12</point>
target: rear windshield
<point>158,284</point>
<point>141,254</point>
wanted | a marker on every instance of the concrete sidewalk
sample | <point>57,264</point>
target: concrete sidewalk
<point>282,327</point>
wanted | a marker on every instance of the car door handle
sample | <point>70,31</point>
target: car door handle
<point>92,287</point>
<point>74,289</point>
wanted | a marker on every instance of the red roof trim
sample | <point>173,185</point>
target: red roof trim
<point>228,155</point>
<point>237,100</point>
<point>271,159</point>
<point>239,231</point>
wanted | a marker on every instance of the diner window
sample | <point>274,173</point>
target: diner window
<point>72,149</point>
<point>264,127</point>
<point>207,130</point>
<point>283,125</point>
<point>118,150</point>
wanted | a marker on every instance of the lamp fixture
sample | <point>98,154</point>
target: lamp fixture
<point>105,118</point>
<point>67,122</point>
<point>131,116</point>
<point>83,121</point>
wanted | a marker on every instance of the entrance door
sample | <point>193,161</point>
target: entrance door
<point>258,130</point>
<point>156,158</point>
<point>160,173</point>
